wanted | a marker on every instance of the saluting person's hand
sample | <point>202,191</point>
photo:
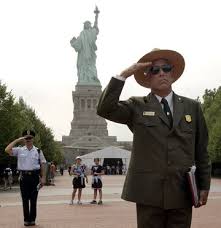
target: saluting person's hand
<point>134,68</point>
<point>21,139</point>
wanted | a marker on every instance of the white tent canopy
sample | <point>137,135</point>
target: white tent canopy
<point>108,152</point>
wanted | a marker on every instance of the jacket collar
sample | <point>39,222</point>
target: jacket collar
<point>155,105</point>
<point>178,109</point>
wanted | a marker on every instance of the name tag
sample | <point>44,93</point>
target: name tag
<point>146,113</point>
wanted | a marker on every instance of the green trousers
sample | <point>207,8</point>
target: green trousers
<point>154,217</point>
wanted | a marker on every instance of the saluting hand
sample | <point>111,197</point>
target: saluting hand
<point>134,68</point>
<point>21,139</point>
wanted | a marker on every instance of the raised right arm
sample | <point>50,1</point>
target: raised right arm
<point>8,149</point>
<point>109,105</point>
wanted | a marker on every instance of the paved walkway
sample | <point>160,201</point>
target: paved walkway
<point>54,210</point>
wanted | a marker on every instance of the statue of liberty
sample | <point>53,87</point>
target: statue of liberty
<point>85,45</point>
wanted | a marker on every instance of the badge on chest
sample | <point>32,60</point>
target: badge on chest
<point>188,118</point>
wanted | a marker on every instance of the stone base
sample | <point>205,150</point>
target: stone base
<point>88,130</point>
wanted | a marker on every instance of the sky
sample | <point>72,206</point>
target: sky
<point>38,63</point>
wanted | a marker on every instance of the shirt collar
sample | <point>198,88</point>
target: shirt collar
<point>33,147</point>
<point>169,98</point>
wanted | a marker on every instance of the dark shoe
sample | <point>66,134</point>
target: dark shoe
<point>93,202</point>
<point>32,223</point>
<point>100,202</point>
<point>26,223</point>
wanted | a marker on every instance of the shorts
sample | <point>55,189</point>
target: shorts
<point>97,184</point>
<point>78,182</point>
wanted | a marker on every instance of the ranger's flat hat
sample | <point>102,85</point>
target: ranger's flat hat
<point>174,58</point>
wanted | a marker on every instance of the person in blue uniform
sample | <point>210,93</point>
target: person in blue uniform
<point>79,172</point>
<point>96,172</point>
<point>29,164</point>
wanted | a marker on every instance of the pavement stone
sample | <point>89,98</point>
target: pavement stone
<point>54,210</point>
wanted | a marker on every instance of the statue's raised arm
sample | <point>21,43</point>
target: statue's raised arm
<point>96,11</point>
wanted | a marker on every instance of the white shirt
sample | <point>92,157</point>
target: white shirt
<point>169,99</point>
<point>120,78</point>
<point>28,159</point>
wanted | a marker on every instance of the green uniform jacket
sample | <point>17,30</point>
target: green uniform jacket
<point>160,156</point>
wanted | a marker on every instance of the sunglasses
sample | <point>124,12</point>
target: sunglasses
<point>156,69</point>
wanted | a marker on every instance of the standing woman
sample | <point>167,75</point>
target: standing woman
<point>96,172</point>
<point>79,172</point>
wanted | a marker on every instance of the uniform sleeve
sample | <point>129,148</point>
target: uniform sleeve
<point>201,154</point>
<point>42,157</point>
<point>15,151</point>
<point>110,107</point>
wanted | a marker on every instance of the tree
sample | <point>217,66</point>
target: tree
<point>8,124</point>
<point>17,116</point>
<point>212,111</point>
<point>208,98</point>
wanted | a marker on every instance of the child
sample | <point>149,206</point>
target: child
<point>78,171</point>
<point>96,172</point>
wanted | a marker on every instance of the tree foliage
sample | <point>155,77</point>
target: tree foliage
<point>212,110</point>
<point>15,116</point>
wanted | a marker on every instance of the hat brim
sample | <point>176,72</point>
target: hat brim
<point>173,57</point>
<point>28,133</point>
<point>28,136</point>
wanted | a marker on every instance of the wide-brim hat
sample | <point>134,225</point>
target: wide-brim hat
<point>173,57</point>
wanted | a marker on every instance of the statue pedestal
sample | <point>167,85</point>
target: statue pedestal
<point>88,130</point>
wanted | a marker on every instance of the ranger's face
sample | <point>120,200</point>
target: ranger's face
<point>161,76</point>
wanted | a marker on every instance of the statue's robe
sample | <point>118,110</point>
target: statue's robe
<point>86,62</point>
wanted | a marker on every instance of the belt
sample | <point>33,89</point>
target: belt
<point>30,172</point>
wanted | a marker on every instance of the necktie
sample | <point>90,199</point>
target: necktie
<point>167,111</point>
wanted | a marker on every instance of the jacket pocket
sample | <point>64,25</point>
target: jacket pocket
<point>149,121</point>
<point>186,127</point>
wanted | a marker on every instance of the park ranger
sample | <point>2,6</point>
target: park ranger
<point>169,137</point>
<point>29,164</point>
